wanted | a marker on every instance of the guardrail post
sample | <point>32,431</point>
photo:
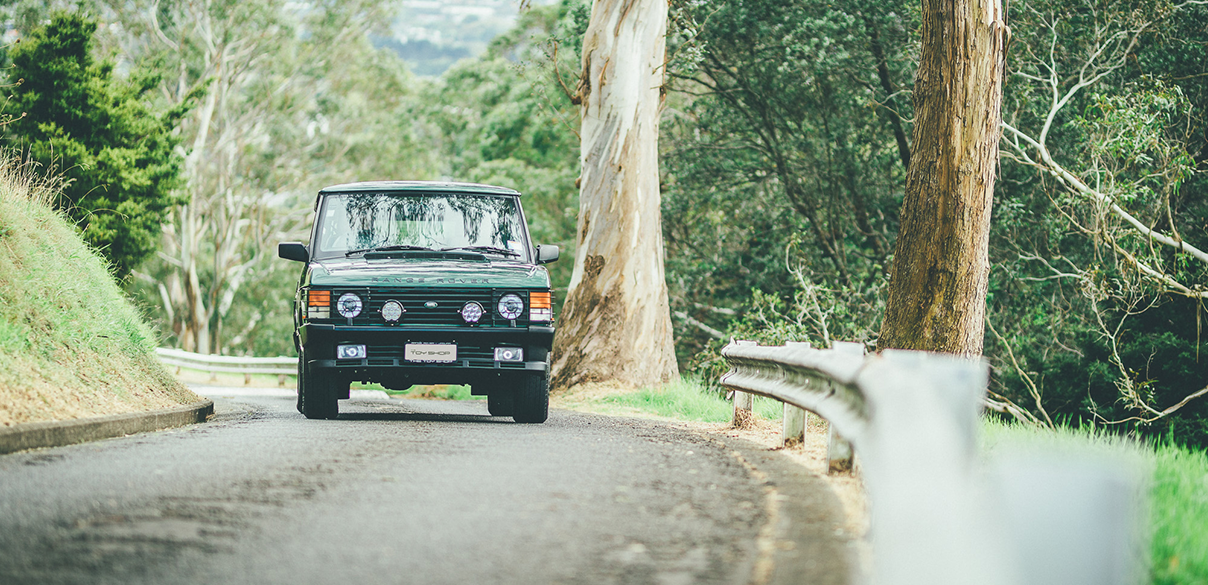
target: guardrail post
<point>839,455</point>
<point>794,425</point>
<point>744,403</point>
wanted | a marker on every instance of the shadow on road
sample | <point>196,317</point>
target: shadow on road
<point>425,417</point>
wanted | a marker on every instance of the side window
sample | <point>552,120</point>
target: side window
<point>335,235</point>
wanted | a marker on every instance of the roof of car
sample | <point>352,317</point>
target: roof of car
<point>441,186</point>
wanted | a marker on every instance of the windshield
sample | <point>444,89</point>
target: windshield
<point>352,223</point>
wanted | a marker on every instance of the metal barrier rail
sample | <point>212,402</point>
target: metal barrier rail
<point>228,364</point>
<point>937,516</point>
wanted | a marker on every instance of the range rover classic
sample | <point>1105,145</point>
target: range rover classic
<point>414,282</point>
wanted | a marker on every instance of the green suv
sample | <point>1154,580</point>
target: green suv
<point>412,282</point>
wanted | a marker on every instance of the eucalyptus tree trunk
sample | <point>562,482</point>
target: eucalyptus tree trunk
<point>616,323</point>
<point>937,287</point>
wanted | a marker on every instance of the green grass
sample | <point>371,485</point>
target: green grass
<point>687,399</point>
<point>1179,516</point>
<point>1178,490</point>
<point>71,343</point>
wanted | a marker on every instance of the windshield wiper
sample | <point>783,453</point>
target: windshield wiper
<point>388,249</point>
<point>490,249</point>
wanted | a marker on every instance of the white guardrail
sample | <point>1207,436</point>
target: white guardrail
<point>937,514</point>
<point>282,366</point>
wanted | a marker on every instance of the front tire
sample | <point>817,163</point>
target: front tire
<point>316,393</point>
<point>501,402</point>
<point>531,404</point>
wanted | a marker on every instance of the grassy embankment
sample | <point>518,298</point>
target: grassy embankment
<point>1179,500</point>
<point>71,344</point>
<point>1178,490</point>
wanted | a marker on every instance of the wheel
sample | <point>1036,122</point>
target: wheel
<point>316,394</point>
<point>531,403</point>
<point>500,402</point>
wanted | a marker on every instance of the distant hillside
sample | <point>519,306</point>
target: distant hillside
<point>431,35</point>
<point>71,344</point>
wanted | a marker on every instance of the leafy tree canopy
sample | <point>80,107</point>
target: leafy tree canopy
<point>506,119</point>
<point>74,116</point>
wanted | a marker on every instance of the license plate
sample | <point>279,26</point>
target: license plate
<point>438,353</point>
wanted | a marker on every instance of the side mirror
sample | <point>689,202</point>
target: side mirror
<point>546,253</point>
<point>293,251</point>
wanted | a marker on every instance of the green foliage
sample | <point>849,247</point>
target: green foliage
<point>77,118</point>
<point>813,315</point>
<point>505,119</point>
<point>1093,334</point>
<point>786,127</point>
<point>292,101</point>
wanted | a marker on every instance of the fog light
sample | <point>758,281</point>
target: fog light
<point>471,312</point>
<point>392,311</point>
<point>509,354</point>
<point>350,352</point>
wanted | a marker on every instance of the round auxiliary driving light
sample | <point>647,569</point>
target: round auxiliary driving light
<point>471,312</point>
<point>510,306</point>
<point>392,311</point>
<point>349,305</point>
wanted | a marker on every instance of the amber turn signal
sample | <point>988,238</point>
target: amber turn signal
<point>540,300</point>
<point>319,298</point>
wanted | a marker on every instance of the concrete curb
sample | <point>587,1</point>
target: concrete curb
<point>69,432</point>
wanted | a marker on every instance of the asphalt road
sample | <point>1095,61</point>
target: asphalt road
<point>413,492</point>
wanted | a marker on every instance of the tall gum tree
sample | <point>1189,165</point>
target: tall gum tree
<point>616,323</point>
<point>937,289</point>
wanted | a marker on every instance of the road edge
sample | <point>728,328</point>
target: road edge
<point>40,435</point>
<point>802,535</point>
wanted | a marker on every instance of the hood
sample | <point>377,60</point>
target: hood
<point>427,272</point>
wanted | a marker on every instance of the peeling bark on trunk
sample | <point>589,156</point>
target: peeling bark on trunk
<point>616,323</point>
<point>937,290</point>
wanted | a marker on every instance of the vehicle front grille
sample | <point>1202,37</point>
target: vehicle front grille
<point>446,312</point>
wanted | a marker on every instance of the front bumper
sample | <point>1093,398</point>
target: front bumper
<point>385,362</point>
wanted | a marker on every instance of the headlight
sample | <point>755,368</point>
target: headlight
<point>510,307</point>
<point>349,305</point>
<point>471,312</point>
